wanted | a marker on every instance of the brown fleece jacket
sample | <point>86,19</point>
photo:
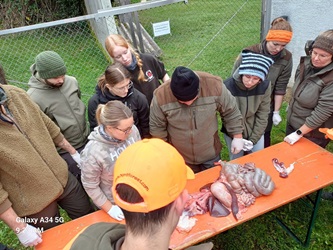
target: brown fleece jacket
<point>32,174</point>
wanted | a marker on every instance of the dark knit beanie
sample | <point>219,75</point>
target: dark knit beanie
<point>324,41</point>
<point>184,84</point>
<point>50,65</point>
<point>255,64</point>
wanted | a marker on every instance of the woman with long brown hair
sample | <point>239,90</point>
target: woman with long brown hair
<point>116,84</point>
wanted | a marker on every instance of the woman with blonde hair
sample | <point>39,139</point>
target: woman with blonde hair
<point>146,70</point>
<point>273,46</point>
<point>115,84</point>
<point>115,132</point>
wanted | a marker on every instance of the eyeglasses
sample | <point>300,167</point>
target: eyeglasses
<point>128,86</point>
<point>126,131</point>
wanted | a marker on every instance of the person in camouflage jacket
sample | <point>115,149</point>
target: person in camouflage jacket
<point>115,132</point>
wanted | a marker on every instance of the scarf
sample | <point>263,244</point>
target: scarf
<point>101,130</point>
<point>133,65</point>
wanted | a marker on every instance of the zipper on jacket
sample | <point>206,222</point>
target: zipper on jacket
<point>73,114</point>
<point>7,117</point>
<point>302,89</point>
<point>195,119</point>
<point>247,109</point>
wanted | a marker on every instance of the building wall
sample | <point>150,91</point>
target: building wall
<point>308,18</point>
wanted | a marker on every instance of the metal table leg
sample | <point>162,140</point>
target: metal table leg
<point>315,207</point>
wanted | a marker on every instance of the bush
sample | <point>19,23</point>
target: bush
<point>17,13</point>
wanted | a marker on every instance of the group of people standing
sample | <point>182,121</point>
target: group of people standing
<point>136,99</point>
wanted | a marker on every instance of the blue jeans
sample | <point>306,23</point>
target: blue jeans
<point>203,166</point>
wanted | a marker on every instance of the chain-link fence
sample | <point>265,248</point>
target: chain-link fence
<point>204,35</point>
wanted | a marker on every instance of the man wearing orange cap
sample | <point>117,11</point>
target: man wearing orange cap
<point>149,185</point>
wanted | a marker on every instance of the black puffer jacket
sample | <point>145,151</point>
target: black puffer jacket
<point>135,100</point>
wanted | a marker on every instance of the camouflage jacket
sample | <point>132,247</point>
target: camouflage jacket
<point>97,163</point>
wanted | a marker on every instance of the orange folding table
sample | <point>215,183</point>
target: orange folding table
<point>312,172</point>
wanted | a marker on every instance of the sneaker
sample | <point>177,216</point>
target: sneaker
<point>327,195</point>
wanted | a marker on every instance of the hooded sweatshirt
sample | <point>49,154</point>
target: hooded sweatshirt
<point>153,70</point>
<point>97,163</point>
<point>254,105</point>
<point>63,105</point>
<point>109,236</point>
<point>134,99</point>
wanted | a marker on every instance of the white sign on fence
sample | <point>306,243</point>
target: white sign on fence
<point>161,28</point>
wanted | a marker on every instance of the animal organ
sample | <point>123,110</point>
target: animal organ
<point>282,169</point>
<point>234,191</point>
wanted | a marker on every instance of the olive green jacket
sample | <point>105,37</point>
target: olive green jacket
<point>193,130</point>
<point>64,107</point>
<point>312,98</point>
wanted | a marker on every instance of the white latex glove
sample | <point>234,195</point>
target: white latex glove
<point>237,145</point>
<point>29,236</point>
<point>276,118</point>
<point>116,213</point>
<point>292,138</point>
<point>77,158</point>
<point>248,145</point>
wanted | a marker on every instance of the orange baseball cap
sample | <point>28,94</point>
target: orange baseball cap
<point>155,169</point>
